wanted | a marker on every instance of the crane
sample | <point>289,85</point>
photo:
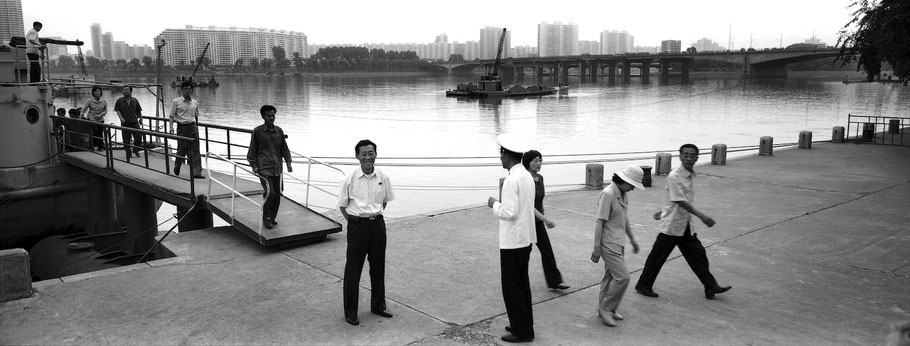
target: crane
<point>502,39</point>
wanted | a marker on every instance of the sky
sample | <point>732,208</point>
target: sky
<point>763,24</point>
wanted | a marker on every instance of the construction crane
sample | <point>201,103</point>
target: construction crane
<point>502,39</point>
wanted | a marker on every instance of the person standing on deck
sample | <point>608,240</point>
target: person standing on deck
<point>185,113</point>
<point>267,148</point>
<point>33,48</point>
<point>94,110</point>
<point>130,113</point>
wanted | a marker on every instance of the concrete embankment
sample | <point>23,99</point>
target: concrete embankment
<point>814,242</point>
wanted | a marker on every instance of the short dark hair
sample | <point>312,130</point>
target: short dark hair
<point>37,23</point>
<point>74,113</point>
<point>617,179</point>
<point>512,155</point>
<point>267,108</point>
<point>127,86</point>
<point>61,112</point>
<point>187,83</point>
<point>688,145</point>
<point>97,88</point>
<point>362,143</point>
<point>529,156</point>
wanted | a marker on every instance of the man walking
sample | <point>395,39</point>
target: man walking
<point>185,113</point>
<point>364,194</point>
<point>516,235</point>
<point>677,229</point>
<point>130,113</point>
<point>267,148</point>
<point>33,48</point>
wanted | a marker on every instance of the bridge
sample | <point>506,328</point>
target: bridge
<point>760,64</point>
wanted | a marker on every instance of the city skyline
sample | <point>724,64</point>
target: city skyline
<point>766,24</point>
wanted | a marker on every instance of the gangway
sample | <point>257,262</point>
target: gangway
<point>239,203</point>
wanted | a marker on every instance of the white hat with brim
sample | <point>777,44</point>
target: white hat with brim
<point>632,174</point>
<point>512,143</point>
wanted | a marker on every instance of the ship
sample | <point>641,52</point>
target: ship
<point>490,85</point>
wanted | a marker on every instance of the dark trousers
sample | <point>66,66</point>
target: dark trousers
<point>550,271</point>
<point>190,150</point>
<point>273,199</point>
<point>34,67</point>
<point>516,290</point>
<point>366,238</point>
<point>97,137</point>
<point>137,138</point>
<point>692,250</point>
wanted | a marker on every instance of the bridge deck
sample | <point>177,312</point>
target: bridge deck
<point>299,222</point>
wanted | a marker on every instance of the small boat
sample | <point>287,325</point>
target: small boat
<point>210,82</point>
<point>491,84</point>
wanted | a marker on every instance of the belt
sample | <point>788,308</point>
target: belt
<point>189,123</point>
<point>364,219</point>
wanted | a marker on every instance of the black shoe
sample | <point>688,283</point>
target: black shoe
<point>383,313</point>
<point>709,293</point>
<point>274,222</point>
<point>647,292</point>
<point>199,176</point>
<point>176,169</point>
<point>561,286</point>
<point>509,329</point>
<point>267,223</point>
<point>352,320</point>
<point>137,154</point>
<point>513,338</point>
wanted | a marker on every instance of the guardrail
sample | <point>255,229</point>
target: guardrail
<point>78,135</point>
<point>877,129</point>
<point>233,187</point>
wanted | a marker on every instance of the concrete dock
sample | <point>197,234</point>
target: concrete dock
<point>815,242</point>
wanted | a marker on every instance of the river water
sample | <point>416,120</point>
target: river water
<point>441,152</point>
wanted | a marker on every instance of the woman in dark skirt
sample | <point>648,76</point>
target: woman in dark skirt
<point>532,160</point>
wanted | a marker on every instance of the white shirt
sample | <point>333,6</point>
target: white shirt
<point>363,194</point>
<point>516,211</point>
<point>31,42</point>
<point>184,112</point>
<point>674,219</point>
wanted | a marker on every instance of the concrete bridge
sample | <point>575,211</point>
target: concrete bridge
<point>758,64</point>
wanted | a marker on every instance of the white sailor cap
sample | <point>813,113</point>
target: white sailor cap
<point>512,143</point>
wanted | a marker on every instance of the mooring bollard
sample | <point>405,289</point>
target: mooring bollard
<point>894,126</point>
<point>805,139</point>
<point>719,154</point>
<point>664,163</point>
<point>766,146</point>
<point>646,180</point>
<point>17,277</point>
<point>837,135</point>
<point>594,176</point>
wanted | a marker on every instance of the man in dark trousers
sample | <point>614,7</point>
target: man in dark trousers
<point>130,113</point>
<point>516,235</point>
<point>364,194</point>
<point>267,148</point>
<point>185,113</point>
<point>677,229</point>
<point>33,48</point>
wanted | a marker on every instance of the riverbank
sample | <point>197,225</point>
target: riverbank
<point>812,241</point>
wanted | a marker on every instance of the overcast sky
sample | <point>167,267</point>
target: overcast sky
<point>766,22</point>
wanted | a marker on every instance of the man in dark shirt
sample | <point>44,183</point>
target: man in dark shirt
<point>267,148</point>
<point>130,113</point>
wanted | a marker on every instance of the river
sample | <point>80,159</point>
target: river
<point>419,130</point>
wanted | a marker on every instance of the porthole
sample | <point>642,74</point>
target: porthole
<point>32,114</point>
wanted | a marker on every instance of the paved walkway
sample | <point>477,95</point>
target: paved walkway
<point>814,242</point>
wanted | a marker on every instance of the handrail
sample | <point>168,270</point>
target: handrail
<point>309,172</point>
<point>233,187</point>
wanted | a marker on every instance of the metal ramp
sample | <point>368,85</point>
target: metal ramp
<point>296,222</point>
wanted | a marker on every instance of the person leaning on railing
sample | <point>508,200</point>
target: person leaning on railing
<point>33,46</point>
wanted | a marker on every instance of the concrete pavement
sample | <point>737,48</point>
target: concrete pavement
<point>814,242</point>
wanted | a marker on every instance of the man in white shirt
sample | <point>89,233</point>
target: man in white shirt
<point>33,46</point>
<point>516,235</point>
<point>184,113</point>
<point>362,199</point>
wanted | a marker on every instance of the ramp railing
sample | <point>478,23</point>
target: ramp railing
<point>233,187</point>
<point>877,129</point>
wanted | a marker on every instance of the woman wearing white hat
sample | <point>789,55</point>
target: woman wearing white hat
<point>610,232</point>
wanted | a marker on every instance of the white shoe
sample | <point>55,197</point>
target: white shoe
<point>617,316</point>
<point>608,320</point>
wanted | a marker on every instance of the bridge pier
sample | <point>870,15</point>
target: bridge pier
<point>564,74</point>
<point>595,70</point>
<point>685,71</point>
<point>538,71</point>
<point>626,72</point>
<point>645,72</point>
<point>582,71</point>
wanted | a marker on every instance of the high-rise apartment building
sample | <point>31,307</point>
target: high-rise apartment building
<point>706,45</point>
<point>588,47</point>
<point>227,44</point>
<point>107,45</point>
<point>671,46</point>
<point>616,42</point>
<point>441,49</point>
<point>489,42</point>
<point>11,20</point>
<point>55,50</point>
<point>557,39</point>
<point>96,39</point>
